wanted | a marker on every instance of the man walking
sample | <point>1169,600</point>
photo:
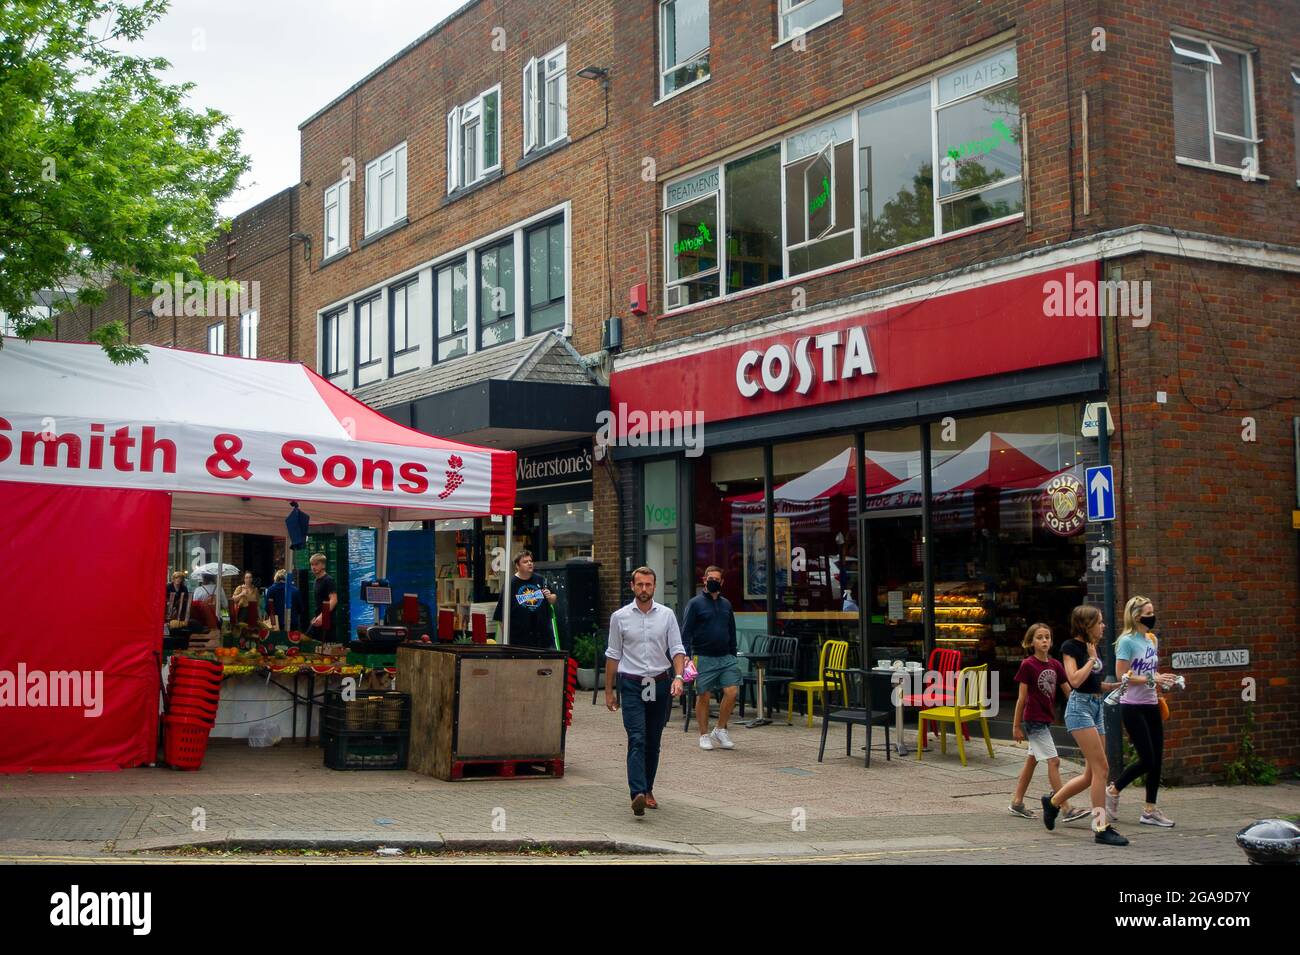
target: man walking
<point>643,637</point>
<point>709,631</point>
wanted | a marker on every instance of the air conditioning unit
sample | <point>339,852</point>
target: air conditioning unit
<point>673,297</point>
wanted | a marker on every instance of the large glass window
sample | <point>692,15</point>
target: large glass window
<point>753,202</point>
<point>798,16</point>
<point>453,310</point>
<point>386,190</point>
<point>819,187</point>
<point>660,523</point>
<point>691,232</point>
<point>546,100</point>
<point>979,146</point>
<point>496,294</point>
<point>569,530</point>
<point>896,171</point>
<point>728,502</point>
<point>1214,106</point>
<point>473,140</point>
<point>545,276</point>
<point>683,43</point>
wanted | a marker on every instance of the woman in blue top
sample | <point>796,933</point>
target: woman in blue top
<point>1136,659</point>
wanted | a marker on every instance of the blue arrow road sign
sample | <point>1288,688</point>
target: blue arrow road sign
<point>1099,484</point>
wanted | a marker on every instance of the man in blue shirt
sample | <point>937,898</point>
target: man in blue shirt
<point>709,631</point>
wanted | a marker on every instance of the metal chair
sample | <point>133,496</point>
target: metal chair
<point>780,671</point>
<point>847,700</point>
<point>972,686</point>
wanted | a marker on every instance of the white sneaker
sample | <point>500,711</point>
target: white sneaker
<point>723,738</point>
<point>706,742</point>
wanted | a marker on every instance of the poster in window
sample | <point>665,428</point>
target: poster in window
<point>754,533</point>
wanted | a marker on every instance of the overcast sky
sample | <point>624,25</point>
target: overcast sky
<point>269,64</point>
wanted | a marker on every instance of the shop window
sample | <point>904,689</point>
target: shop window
<point>402,298</point>
<point>453,310</point>
<point>248,335</point>
<point>332,358</point>
<point>546,101</point>
<point>569,530</point>
<point>1008,514</point>
<point>386,190</point>
<point>753,204</point>
<point>819,185</point>
<point>337,202</point>
<point>660,527</point>
<point>800,16</point>
<point>473,140</point>
<point>896,171</point>
<point>728,500</point>
<point>546,278</point>
<point>217,339</point>
<point>683,44</point>
<point>691,240</point>
<point>1214,105</point>
<point>978,148</point>
<point>1295,118</point>
<point>496,295</point>
<point>368,332</point>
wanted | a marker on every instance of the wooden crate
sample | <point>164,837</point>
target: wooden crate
<point>473,702</point>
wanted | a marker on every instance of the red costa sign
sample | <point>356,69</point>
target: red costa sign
<point>994,329</point>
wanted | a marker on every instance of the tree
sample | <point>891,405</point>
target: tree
<point>106,175</point>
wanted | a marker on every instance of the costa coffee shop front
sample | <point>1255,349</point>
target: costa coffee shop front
<point>903,473</point>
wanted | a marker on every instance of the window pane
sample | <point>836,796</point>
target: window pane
<point>692,238</point>
<point>1191,110</point>
<point>497,294</point>
<point>685,42</point>
<point>1231,110</point>
<point>555,244</point>
<point>546,277</point>
<point>728,500</point>
<point>452,348</point>
<point>805,13</point>
<point>819,255</point>
<point>388,204</point>
<point>754,220</point>
<point>804,212</point>
<point>896,171</point>
<point>399,317</point>
<point>1295,117</point>
<point>489,131</point>
<point>569,530</point>
<point>982,137</point>
<point>469,153</point>
<point>983,207</point>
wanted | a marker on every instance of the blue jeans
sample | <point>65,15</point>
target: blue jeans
<point>644,722</point>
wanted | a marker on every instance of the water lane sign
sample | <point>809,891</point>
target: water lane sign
<point>1100,485</point>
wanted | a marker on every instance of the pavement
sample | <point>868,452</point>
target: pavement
<point>769,799</point>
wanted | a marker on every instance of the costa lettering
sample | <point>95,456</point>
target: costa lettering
<point>830,356</point>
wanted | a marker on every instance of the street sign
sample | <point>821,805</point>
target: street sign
<point>1197,659</point>
<point>1100,486</point>
<point>1092,416</point>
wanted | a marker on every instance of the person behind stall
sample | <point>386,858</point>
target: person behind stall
<point>530,607</point>
<point>285,614</point>
<point>327,598</point>
<point>247,600</point>
<point>203,606</point>
<point>177,597</point>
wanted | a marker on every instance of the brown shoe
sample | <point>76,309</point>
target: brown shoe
<point>638,804</point>
<point>650,801</point>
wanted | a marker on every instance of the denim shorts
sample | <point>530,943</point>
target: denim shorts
<point>717,673</point>
<point>1083,711</point>
<point>1041,745</point>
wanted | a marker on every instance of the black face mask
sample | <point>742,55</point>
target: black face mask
<point>1148,622</point>
<point>713,586</point>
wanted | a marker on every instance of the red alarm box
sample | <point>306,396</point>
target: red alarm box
<point>639,300</point>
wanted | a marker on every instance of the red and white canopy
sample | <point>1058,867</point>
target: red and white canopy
<point>233,439</point>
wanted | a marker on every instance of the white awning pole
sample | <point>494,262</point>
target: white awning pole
<point>505,581</point>
<point>381,557</point>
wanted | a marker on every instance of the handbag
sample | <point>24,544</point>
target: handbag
<point>689,673</point>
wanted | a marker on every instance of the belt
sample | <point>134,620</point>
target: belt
<point>663,675</point>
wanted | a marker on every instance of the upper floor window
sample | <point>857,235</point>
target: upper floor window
<point>217,339</point>
<point>248,335</point>
<point>386,190</point>
<point>799,16</point>
<point>496,294</point>
<point>1214,105</point>
<point>683,44</point>
<point>545,276</point>
<point>453,310</point>
<point>1295,117</point>
<point>546,101</point>
<point>331,344</point>
<point>402,300</point>
<point>368,332</point>
<point>473,140</point>
<point>337,203</point>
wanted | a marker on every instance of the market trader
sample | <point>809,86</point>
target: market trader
<point>530,607</point>
<point>327,598</point>
<point>287,614</point>
<point>643,636</point>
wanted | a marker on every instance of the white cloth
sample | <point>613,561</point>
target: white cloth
<point>644,643</point>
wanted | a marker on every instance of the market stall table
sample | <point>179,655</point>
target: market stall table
<point>760,666</point>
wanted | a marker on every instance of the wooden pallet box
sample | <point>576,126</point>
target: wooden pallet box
<point>483,706</point>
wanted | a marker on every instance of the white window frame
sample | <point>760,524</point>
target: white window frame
<point>458,119</point>
<point>380,172</point>
<point>539,74</point>
<point>331,341</point>
<point>1253,141</point>
<point>371,304</point>
<point>665,68</point>
<point>719,203</point>
<point>937,159</point>
<point>248,334</point>
<point>408,289</point>
<point>338,203</point>
<point>216,343</point>
<point>787,7</point>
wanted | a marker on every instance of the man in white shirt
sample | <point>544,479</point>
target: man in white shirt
<point>643,637</point>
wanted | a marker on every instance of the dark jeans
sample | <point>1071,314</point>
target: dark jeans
<point>1147,731</point>
<point>644,720</point>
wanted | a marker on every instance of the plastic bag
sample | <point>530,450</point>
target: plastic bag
<point>262,735</point>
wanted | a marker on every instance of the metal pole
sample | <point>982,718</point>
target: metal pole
<point>505,580</point>
<point>927,543</point>
<point>1114,729</point>
<point>381,556</point>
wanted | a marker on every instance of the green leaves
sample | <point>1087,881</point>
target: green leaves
<point>105,174</point>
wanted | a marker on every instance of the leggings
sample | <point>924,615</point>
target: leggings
<point>1147,731</point>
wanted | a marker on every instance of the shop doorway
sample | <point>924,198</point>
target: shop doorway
<point>892,576</point>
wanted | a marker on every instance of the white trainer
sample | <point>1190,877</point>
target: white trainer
<point>706,742</point>
<point>723,738</point>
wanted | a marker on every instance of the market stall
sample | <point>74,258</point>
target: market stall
<point>98,460</point>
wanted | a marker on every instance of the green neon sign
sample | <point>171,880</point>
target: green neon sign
<point>980,147</point>
<point>821,198</point>
<point>695,242</point>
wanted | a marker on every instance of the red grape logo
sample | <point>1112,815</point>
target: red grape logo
<point>454,478</point>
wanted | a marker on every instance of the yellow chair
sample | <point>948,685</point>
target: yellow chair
<point>971,684</point>
<point>834,656</point>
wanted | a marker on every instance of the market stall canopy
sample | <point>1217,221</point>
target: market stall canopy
<point>232,439</point>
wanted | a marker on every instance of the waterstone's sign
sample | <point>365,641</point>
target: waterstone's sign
<point>553,467</point>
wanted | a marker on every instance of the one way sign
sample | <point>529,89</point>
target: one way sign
<point>1100,486</point>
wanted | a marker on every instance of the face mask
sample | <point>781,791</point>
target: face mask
<point>1148,622</point>
<point>714,586</point>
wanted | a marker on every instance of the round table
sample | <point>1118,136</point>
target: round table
<point>760,665</point>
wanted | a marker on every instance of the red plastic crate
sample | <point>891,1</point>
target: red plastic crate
<point>185,742</point>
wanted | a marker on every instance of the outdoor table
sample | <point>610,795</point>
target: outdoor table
<point>760,666</point>
<point>897,678</point>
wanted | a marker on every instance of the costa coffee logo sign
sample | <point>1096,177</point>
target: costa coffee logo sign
<point>1063,506</point>
<point>839,355</point>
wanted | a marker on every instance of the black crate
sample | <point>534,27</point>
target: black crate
<point>362,751</point>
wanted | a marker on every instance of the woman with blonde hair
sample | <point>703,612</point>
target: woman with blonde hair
<point>1136,659</point>
<point>1084,721</point>
<point>247,600</point>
